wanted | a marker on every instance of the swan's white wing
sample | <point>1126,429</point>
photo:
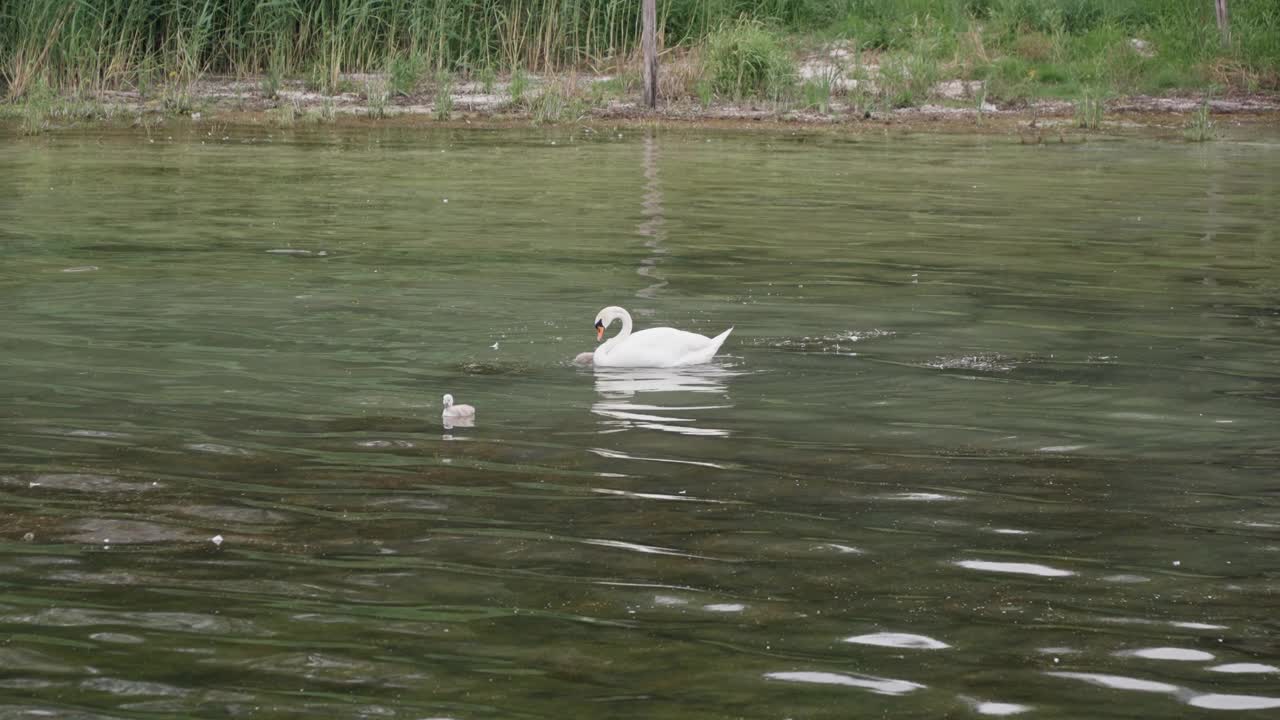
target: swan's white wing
<point>660,347</point>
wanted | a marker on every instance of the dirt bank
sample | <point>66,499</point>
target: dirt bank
<point>954,106</point>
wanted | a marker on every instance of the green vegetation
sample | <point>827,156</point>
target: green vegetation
<point>817,93</point>
<point>272,79</point>
<point>405,72</point>
<point>317,115</point>
<point>328,113</point>
<point>1090,107</point>
<point>550,106</point>
<point>1026,49</point>
<point>44,109</point>
<point>376,99</point>
<point>562,101</point>
<point>705,91</point>
<point>894,53</point>
<point>1201,127</point>
<point>746,59</point>
<point>488,78</point>
<point>604,91</point>
<point>519,83</point>
<point>104,43</point>
<point>444,96</point>
<point>38,110</point>
<point>285,115</point>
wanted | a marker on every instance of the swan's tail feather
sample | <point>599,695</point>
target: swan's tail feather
<point>705,354</point>
<point>719,340</point>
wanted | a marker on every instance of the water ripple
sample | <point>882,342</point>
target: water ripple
<point>997,709</point>
<point>1016,568</point>
<point>128,688</point>
<point>1168,653</point>
<point>661,496</point>
<point>1119,682</point>
<point>1245,668</point>
<point>170,621</point>
<point>877,685</point>
<point>1234,702</point>
<point>647,549</point>
<point>618,455</point>
<point>898,640</point>
<point>218,449</point>
<point>79,482</point>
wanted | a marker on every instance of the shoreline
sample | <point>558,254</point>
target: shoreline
<point>241,102</point>
<point>1029,67</point>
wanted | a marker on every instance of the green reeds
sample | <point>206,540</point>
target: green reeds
<point>519,83</point>
<point>1090,107</point>
<point>1030,48</point>
<point>97,43</point>
<point>42,107</point>
<point>376,98</point>
<point>405,72</point>
<point>559,101</point>
<point>1200,129</point>
<point>705,91</point>
<point>286,115</point>
<point>817,91</point>
<point>747,59</point>
<point>443,108</point>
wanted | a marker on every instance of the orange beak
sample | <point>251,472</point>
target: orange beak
<point>599,334</point>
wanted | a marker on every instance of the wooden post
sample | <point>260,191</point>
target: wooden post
<point>649,44</point>
<point>1224,22</point>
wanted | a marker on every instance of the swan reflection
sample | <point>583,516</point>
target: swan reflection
<point>622,404</point>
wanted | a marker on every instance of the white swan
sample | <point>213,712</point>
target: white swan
<point>456,414</point>
<point>654,347</point>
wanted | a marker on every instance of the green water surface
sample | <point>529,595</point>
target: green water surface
<point>997,432</point>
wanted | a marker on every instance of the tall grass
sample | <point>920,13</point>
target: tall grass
<point>377,95</point>
<point>405,72</point>
<point>1089,109</point>
<point>1200,129</point>
<point>1037,47</point>
<point>745,58</point>
<point>519,83</point>
<point>443,108</point>
<point>1058,47</point>
<point>816,92</point>
<point>74,43</point>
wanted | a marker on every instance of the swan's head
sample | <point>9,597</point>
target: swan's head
<point>605,317</point>
<point>447,401</point>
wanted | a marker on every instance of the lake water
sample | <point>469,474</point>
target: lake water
<point>997,431</point>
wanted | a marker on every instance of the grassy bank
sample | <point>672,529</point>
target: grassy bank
<point>57,56</point>
<point>1028,48</point>
<point>95,43</point>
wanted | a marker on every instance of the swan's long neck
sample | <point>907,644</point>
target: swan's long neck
<point>626,324</point>
<point>625,316</point>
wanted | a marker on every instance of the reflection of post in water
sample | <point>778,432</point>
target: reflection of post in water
<point>1212,223</point>
<point>652,227</point>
